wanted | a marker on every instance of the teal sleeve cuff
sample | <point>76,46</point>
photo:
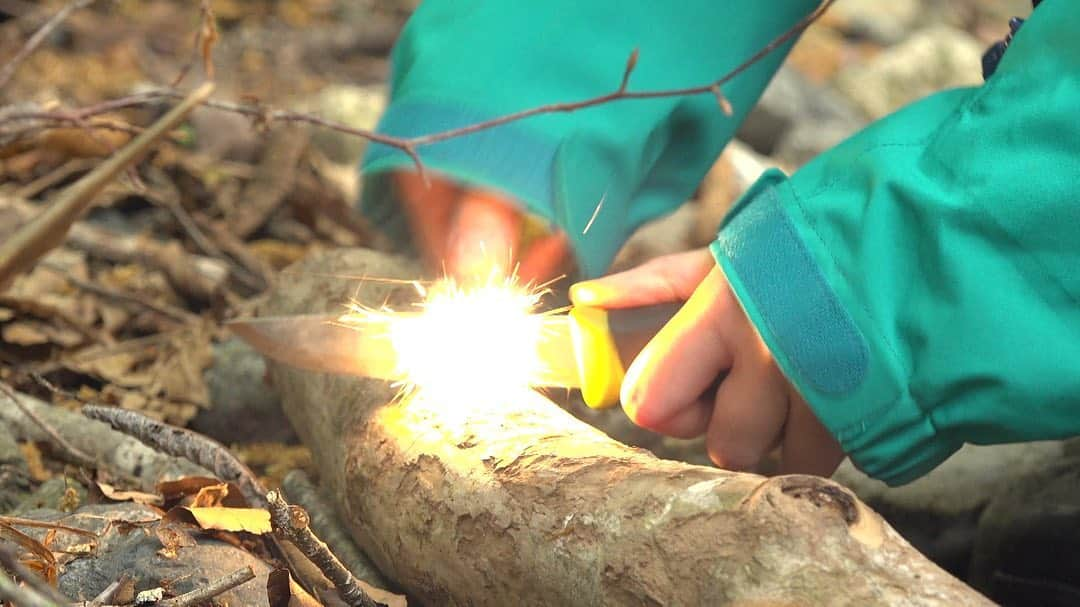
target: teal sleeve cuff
<point>819,346</point>
<point>918,283</point>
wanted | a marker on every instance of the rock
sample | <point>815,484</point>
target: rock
<point>882,22</point>
<point>664,236</point>
<point>356,106</point>
<point>53,494</point>
<point>14,472</point>
<point>243,407</point>
<point>225,135</point>
<point>932,59</point>
<point>737,168</point>
<point>939,512</point>
<point>133,549</point>
<point>793,107</point>
<point>819,54</point>
<point>1028,538</point>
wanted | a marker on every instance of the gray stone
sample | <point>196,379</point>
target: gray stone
<point>934,58</point>
<point>939,512</point>
<point>791,103</point>
<point>1028,539</point>
<point>51,495</point>
<point>357,106</point>
<point>882,22</point>
<point>243,406</point>
<point>14,472</point>
<point>135,550</point>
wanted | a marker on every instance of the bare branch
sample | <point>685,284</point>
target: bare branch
<point>631,63</point>
<point>162,309</point>
<point>292,523</point>
<point>48,229</point>
<point>77,454</point>
<point>22,596</point>
<point>410,145</point>
<point>8,70</point>
<point>11,563</point>
<point>179,442</point>
<point>202,595</point>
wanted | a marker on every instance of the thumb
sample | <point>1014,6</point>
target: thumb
<point>483,236</point>
<point>666,279</point>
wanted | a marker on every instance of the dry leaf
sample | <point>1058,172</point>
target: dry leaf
<point>201,491</point>
<point>139,497</point>
<point>277,254</point>
<point>251,520</point>
<point>25,333</point>
<point>43,560</point>
<point>172,538</point>
<point>35,462</point>
<point>283,591</point>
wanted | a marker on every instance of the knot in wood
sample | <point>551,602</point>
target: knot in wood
<point>298,517</point>
<point>821,493</point>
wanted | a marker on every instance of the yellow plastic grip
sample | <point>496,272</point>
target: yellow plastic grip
<point>599,366</point>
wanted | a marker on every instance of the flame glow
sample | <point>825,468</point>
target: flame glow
<point>471,346</point>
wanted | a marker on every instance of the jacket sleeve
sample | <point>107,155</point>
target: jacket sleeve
<point>920,283</point>
<point>459,62</point>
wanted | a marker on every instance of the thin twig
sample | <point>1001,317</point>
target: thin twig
<point>168,311</point>
<point>47,230</point>
<point>23,596</point>
<point>106,596</point>
<point>291,523</point>
<point>410,145</point>
<point>618,94</point>
<point>11,563</point>
<point>8,70</point>
<point>325,523</point>
<point>204,594</point>
<point>189,445</point>
<point>77,454</point>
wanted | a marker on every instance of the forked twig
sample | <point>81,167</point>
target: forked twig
<point>9,68</point>
<point>291,523</point>
<point>77,454</point>
<point>410,145</point>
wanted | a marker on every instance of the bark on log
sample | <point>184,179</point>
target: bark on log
<point>525,505</point>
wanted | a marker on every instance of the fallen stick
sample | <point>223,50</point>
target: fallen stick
<point>523,504</point>
<point>197,277</point>
<point>50,227</point>
<point>112,450</point>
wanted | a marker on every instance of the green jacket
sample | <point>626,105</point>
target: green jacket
<point>919,283</point>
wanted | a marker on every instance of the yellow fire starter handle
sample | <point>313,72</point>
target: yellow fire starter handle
<point>599,366</point>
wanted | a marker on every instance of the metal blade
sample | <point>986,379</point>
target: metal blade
<point>319,343</point>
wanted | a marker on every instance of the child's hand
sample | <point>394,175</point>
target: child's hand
<point>755,408</point>
<point>471,233</point>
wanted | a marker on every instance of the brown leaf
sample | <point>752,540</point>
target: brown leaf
<point>139,497</point>
<point>25,333</point>
<point>172,537</point>
<point>251,520</point>
<point>42,559</point>
<point>208,37</point>
<point>194,487</point>
<point>283,591</point>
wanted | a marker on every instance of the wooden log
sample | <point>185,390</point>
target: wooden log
<point>522,504</point>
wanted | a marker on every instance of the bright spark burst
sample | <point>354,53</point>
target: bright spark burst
<point>465,346</point>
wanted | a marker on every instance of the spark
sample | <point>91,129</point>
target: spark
<point>595,212</point>
<point>466,346</point>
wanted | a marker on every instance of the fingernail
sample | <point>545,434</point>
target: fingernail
<point>582,294</point>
